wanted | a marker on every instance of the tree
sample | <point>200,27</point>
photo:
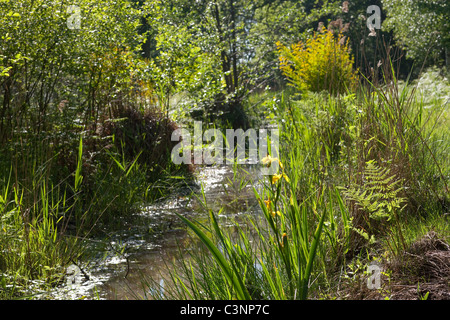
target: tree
<point>219,29</point>
<point>422,27</point>
<point>52,57</point>
<point>286,22</point>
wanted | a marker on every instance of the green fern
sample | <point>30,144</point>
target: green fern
<point>379,196</point>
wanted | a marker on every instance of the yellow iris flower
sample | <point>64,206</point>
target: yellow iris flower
<point>268,160</point>
<point>268,204</point>
<point>276,177</point>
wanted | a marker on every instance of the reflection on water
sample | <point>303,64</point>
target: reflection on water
<point>154,238</point>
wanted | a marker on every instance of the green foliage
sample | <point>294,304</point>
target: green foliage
<point>29,239</point>
<point>45,58</point>
<point>61,81</point>
<point>433,87</point>
<point>85,128</point>
<point>378,196</point>
<point>182,67</point>
<point>397,126</point>
<point>232,275</point>
<point>398,134</point>
<point>62,85</point>
<point>201,58</point>
<point>375,199</point>
<point>422,27</point>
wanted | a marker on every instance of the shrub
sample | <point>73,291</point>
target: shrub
<point>324,62</point>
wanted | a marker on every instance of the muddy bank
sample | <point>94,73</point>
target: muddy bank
<point>422,272</point>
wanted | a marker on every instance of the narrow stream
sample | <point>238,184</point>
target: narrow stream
<point>122,263</point>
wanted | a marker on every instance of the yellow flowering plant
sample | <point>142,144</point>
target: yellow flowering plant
<point>290,237</point>
<point>323,62</point>
<point>268,160</point>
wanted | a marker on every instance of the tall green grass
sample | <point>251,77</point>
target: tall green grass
<point>30,241</point>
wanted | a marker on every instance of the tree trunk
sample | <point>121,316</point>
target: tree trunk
<point>223,55</point>
<point>233,46</point>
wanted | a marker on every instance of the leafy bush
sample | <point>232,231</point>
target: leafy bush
<point>324,62</point>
